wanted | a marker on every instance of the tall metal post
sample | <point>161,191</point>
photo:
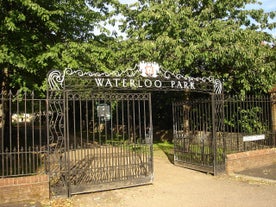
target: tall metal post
<point>273,115</point>
<point>214,130</point>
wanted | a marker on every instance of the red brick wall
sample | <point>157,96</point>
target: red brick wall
<point>28,188</point>
<point>251,159</point>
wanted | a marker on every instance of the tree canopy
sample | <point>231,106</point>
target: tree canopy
<point>199,38</point>
<point>40,35</point>
<point>203,38</point>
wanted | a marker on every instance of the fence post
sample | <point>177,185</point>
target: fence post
<point>219,145</point>
<point>273,114</point>
<point>214,134</point>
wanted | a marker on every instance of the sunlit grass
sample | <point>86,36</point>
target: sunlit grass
<point>167,148</point>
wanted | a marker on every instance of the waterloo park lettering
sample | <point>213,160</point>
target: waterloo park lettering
<point>147,76</point>
<point>146,83</point>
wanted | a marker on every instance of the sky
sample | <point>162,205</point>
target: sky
<point>267,6</point>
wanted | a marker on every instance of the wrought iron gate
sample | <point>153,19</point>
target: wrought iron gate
<point>99,141</point>
<point>100,134</point>
<point>198,140</point>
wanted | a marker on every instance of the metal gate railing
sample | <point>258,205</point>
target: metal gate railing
<point>23,134</point>
<point>208,128</point>
<point>249,123</point>
<point>99,141</point>
<point>197,144</point>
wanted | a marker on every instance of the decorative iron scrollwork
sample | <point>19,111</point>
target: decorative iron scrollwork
<point>56,78</point>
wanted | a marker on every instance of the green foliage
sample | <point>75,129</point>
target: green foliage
<point>247,121</point>
<point>250,122</point>
<point>204,38</point>
<point>40,35</point>
<point>200,38</point>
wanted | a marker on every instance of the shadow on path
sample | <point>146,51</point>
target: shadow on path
<point>268,172</point>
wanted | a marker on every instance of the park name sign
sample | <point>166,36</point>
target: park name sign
<point>145,76</point>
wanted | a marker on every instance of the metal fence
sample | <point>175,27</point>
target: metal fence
<point>99,141</point>
<point>198,123</point>
<point>206,129</point>
<point>249,124</point>
<point>23,134</point>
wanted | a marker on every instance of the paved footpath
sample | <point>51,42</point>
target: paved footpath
<point>175,187</point>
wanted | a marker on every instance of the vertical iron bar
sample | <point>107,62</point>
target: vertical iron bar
<point>123,119</point>
<point>25,144</point>
<point>111,119</point>
<point>99,129</point>
<point>128,121</point>
<point>74,119</point>
<point>133,120</point>
<point>147,135</point>
<point>139,120</point>
<point>93,121</point>
<point>17,130</point>
<point>48,160</point>
<point>66,141</point>
<point>80,122</point>
<point>151,135</point>
<point>33,131</point>
<point>2,136</point>
<point>117,117</point>
<point>10,129</point>
<point>214,132</point>
<point>40,114</point>
<point>87,121</point>
<point>105,126</point>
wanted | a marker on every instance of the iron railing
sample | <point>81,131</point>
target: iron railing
<point>197,143</point>
<point>100,141</point>
<point>248,123</point>
<point>23,134</point>
<point>23,129</point>
<point>208,128</point>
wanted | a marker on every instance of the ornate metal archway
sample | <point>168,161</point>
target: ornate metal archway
<point>100,125</point>
<point>137,79</point>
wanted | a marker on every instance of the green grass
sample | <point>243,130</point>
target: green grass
<point>194,153</point>
<point>167,148</point>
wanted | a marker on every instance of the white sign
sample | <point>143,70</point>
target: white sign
<point>149,69</point>
<point>253,138</point>
<point>103,111</point>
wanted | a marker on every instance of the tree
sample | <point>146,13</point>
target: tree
<point>34,33</point>
<point>204,38</point>
<point>40,35</point>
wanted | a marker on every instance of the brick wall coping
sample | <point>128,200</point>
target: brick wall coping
<point>253,153</point>
<point>23,180</point>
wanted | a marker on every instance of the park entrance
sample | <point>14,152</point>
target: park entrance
<point>100,133</point>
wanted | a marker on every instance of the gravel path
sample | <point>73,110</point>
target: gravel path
<point>176,186</point>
